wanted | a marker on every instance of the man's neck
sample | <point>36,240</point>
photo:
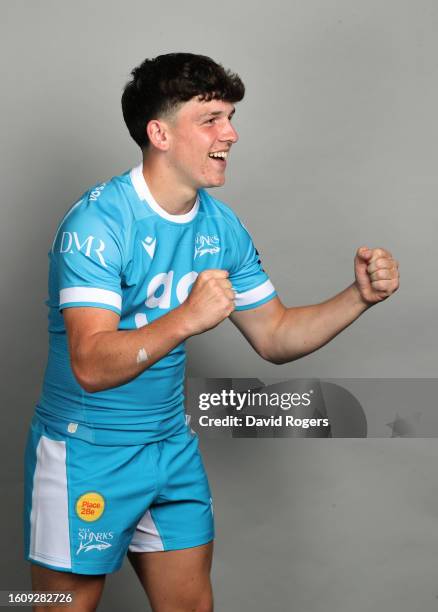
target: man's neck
<point>174,197</point>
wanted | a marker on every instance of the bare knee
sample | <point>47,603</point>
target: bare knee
<point>200,602</point>
<point>87,589</point>
<point>204,605</point>
<point>199,605</point>
<point>183,601</point>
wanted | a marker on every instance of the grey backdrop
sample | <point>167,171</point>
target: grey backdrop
<point>338,148</point>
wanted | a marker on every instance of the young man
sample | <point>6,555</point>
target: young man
<point>138,265</point>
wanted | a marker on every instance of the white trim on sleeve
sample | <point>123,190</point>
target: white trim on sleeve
<point>90,294</point>
<point>254,295</point>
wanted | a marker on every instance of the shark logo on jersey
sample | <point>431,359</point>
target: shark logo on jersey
<point>206,244</point>
<point>97,541</point>
<point>149,244</point>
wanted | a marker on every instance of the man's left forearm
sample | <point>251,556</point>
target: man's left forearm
<point>304,329</point>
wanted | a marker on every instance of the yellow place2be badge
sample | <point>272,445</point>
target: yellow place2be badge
<point>90,506</point>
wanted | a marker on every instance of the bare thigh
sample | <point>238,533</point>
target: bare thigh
<point>87,589</point>
<point>176,580</point>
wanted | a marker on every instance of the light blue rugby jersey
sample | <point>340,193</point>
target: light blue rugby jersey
<point>118,249</point>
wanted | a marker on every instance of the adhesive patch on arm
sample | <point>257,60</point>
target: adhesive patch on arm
<point>142,356</point>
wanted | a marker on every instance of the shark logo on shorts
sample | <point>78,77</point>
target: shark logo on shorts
<point>97,541</point>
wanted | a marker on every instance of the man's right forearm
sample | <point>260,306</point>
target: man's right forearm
<point>111,358</point>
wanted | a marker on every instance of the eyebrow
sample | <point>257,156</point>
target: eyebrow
<point>217,113</point>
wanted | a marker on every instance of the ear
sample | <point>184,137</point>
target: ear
<point>158,134</point>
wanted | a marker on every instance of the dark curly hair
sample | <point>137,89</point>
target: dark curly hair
<point>160,84</point>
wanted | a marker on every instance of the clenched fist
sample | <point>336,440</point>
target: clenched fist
<point>210,301</point>
<point>377,275</point>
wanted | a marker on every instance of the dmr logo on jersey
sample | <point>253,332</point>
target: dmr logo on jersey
<point>71,243</point>
<point>206,244</point>
<point>90,540</point>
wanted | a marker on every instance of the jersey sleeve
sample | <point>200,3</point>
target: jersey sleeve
<point>248,278</point>
<point>87,254</point>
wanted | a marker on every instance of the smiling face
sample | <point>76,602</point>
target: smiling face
<point>200,138</point>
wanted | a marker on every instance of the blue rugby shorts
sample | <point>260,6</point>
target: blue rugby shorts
<point>86,505</point>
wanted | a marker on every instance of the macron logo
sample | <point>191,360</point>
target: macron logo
<point>149,245</point>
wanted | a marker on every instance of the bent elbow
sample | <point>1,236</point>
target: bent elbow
<point>270,356</point>
<point>90,387</point>
<point>275,359</point>
<point>84,378</point>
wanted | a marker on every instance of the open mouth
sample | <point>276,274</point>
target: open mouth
<point>219,156</point>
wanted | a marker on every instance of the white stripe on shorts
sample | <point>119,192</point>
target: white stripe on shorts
<point>49,528</point>
<point>146,537</point>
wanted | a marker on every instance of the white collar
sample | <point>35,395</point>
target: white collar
<point>144,193</point>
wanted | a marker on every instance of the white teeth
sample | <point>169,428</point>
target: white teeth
<point>220,154</point>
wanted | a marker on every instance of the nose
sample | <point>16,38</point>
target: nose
<point>229,133</point>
